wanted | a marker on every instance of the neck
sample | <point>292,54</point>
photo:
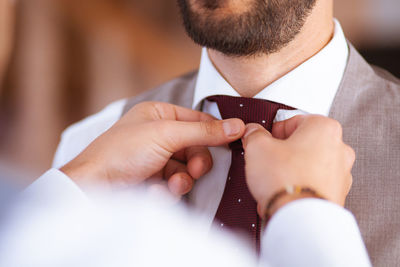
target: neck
<point>250,75</point>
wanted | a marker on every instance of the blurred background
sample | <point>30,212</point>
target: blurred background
<point>70,58</point>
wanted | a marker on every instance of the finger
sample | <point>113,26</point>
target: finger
<point>315,126</point>
<point>199,161</point>
<point>185,114</point>
<point>180,183</point>
<point>172,167</point>
<point>285,129</point>
<point>254,133</point>
<point>180,155</point>
<point>179,180</point>
<point>167,111</point>
<point>176,135</point>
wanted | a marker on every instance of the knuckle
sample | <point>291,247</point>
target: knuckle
<point>332,122</point>
<point>335,127</point>
<point>330,127</point>
<point>207,127</point>
<point>351,154</point>
<point>159,109</point>
<point>316,119</point>
<point>163,129</point>
<point>143,105</point>
<point>150,109</point>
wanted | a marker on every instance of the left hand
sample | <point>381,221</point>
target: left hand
<point>154,140</point>
<point>306,151</point>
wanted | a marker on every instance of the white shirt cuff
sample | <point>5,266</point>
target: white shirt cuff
<point>313,232</point>
<point>56,187</point>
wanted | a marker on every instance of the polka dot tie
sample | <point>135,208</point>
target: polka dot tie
<point>238,209</point>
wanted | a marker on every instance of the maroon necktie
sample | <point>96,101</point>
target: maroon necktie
<point>238,209</point>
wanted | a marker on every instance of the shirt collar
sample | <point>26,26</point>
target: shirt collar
<point>310,87</point>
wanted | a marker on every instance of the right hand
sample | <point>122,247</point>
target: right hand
<point>306,151</point>
<point>157,141</point>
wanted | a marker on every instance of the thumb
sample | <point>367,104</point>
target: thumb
<point>178,135</point>
<point>255,135</point>
<point>260,149</point>
<point>284,129</point>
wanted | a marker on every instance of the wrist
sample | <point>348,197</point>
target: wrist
<point>287,195</point>
<point>281,202</point>
<point>83,173</point>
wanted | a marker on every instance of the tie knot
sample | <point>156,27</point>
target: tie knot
<point>249,110</point>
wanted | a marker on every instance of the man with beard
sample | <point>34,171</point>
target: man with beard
<point>265,61</point>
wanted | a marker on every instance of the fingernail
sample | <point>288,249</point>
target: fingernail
<point>175,186</point>
<point>231,128</point>
<point>249,130</point>
<point>207,164</point>
<point>184,186</point>
<point>179,186</point>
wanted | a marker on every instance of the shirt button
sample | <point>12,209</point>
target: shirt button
<point>241,105</point>
<point>239,200</point>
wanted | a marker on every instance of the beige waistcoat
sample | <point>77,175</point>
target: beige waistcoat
<point>367,105</point>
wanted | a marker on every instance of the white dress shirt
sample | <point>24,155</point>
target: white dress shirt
<point>310,88</point>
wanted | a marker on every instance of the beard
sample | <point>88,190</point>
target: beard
<point>249,28</point>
